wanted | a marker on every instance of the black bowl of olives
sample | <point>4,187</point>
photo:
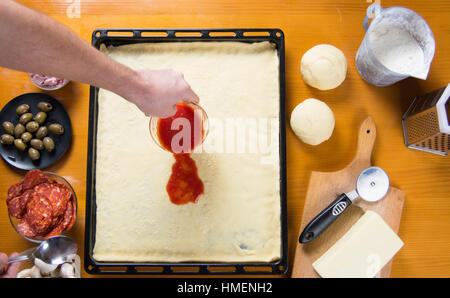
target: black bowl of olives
<point>35,131</point>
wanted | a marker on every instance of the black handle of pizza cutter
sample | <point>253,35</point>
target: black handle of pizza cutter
<point>325,218</point>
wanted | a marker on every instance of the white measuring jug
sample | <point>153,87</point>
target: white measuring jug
<point>398,43</point>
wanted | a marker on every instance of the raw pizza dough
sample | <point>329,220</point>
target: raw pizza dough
<point>324,67</point>
<point>238,216</point>
<point>312,121</point>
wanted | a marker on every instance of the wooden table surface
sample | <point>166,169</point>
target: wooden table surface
<point>425,225</point>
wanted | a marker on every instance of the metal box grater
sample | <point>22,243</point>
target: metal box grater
<point>426,124</point>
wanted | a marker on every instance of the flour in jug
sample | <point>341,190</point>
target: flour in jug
<point>398,51</point>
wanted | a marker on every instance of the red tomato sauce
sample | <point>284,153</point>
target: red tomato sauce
<point>168,130</point>
<point>184,184</point>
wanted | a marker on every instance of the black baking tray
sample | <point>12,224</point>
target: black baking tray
<point>117,37</point>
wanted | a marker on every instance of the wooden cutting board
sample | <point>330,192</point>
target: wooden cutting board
<point>324,188</point>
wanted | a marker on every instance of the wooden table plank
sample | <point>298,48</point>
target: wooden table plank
<point>425,227</point>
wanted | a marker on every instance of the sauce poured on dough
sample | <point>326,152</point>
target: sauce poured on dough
<point>184,184</point>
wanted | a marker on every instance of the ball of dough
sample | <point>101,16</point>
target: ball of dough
<point>312,121</point>
<point>324,67</point>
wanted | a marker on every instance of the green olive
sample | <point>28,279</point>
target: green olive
<point>45,106</point>
<point>8,127</point>
<point>26,137</point>
<point>7,139</point>
<point>41,132</point>
<point>56,128</point>
<point>34,154</point>
<point>22,109</point>
<point>40,117</point>
<point>19,130</point>
<point>25,118</point>
<point>49,144</point>
<point>20,144</point>
<point>32,126</point>
<point>37,144</point>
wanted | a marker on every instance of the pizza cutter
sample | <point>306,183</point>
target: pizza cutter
<point>372,185</point>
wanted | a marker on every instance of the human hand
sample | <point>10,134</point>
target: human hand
<point>158,91</point>
<point>12,269</point>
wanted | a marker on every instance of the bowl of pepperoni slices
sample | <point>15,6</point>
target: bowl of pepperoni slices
<point>41,206</point>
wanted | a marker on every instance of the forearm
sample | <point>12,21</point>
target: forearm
<point>34,43</point>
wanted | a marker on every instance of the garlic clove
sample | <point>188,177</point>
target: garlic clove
<point>77,266</point>
<point>35,272</point>
<point>67,270</point>
<point>25,273</point>
<point>56,272</point>
<point>45,268</point>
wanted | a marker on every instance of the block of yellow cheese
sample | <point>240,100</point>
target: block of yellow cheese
<point>362,252</point>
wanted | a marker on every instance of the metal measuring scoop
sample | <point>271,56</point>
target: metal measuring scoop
<point>372,185</point>
<point>55,250</point>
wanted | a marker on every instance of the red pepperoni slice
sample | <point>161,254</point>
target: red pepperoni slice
<point>60,197</point>
<point>56,231</point>
<point>71,214</point>
<point>17,205</point>
<point>67,221</point>
<point>68,214</point>
<point>15,209</point>
<point>24,228</point>
<point>57,194</point>
<point>33,178</point>
<point>14,191</point>
<point>56,220</point>
<point>57,227</point>
<point>39,214</point>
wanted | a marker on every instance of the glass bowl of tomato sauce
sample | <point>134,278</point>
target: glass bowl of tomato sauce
<point>182,132</point>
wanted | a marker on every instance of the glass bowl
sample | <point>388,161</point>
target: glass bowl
<point>14,221</point>
<point>198,110</point>
<point>56,87</point>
